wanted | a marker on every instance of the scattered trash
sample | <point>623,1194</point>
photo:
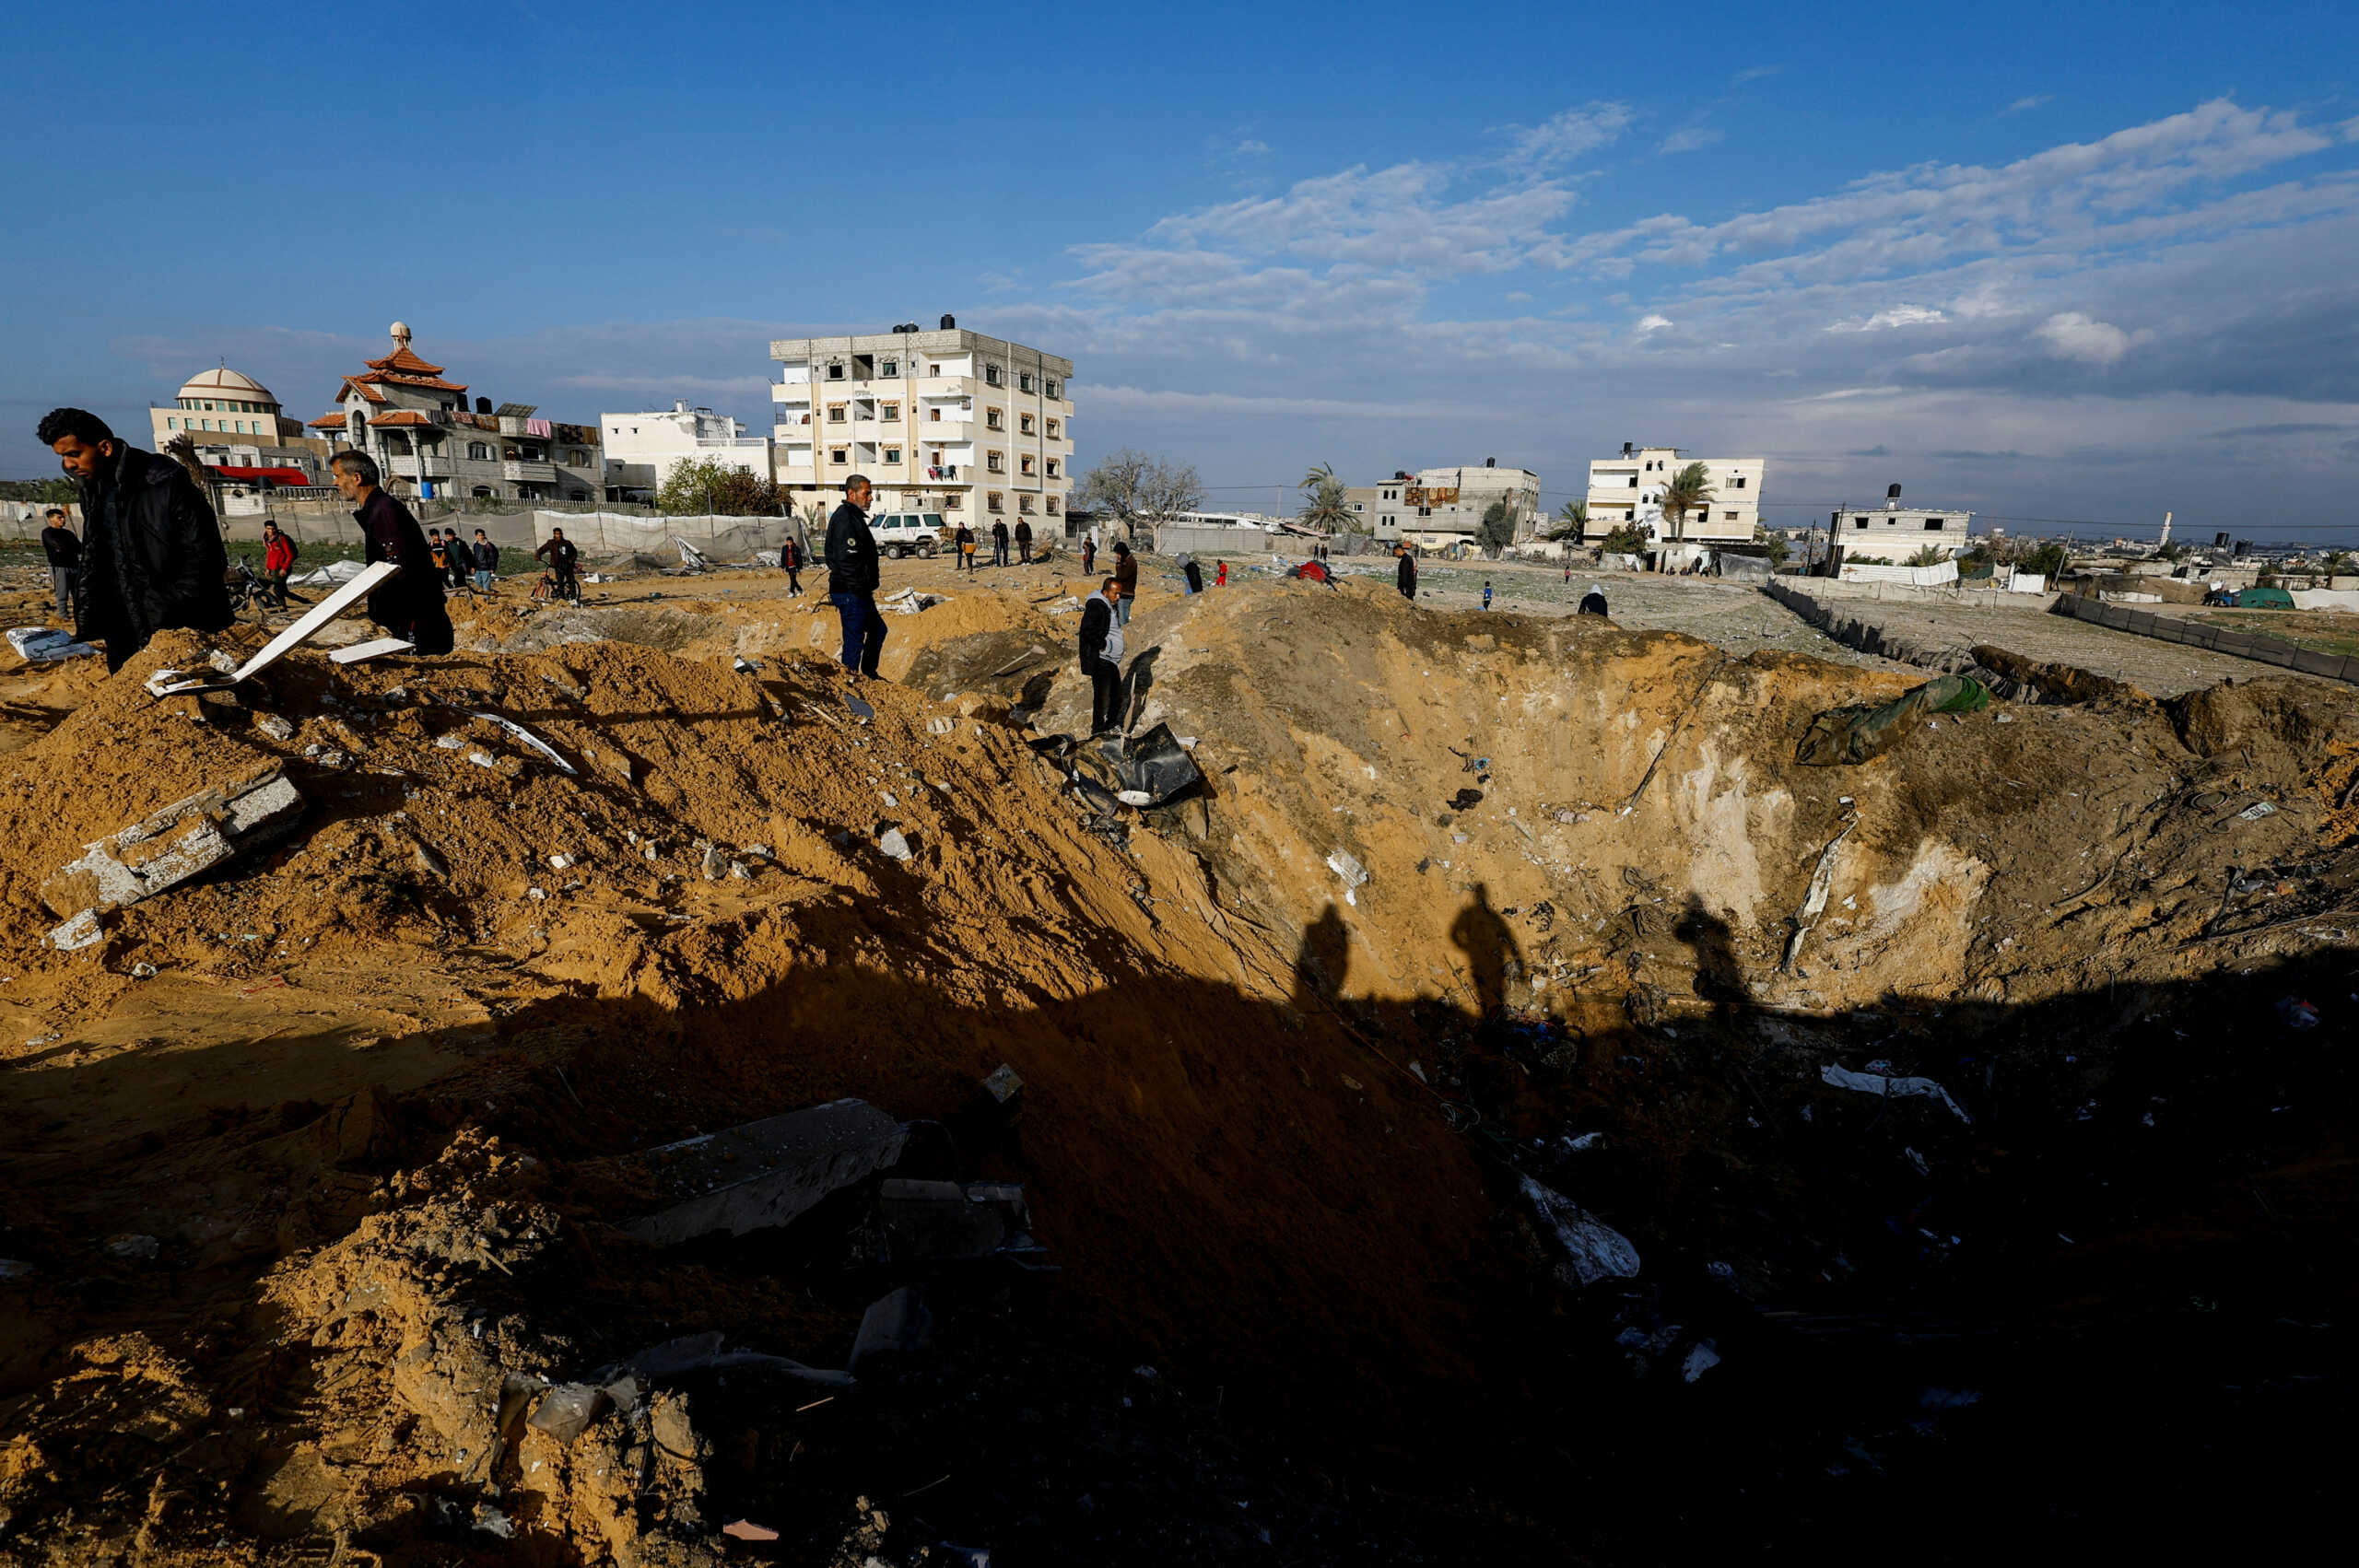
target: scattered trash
<point>1343,864</point>
<point>746,1529</point>
<point>1593,1249</point>
<point>744,666</point>
<point>569,1410</point>
<point>763,1174</point>
<point>1003,1084</point>
<point>530,739</point>
<point>1700,1360</point>
<point>895,844</point>
<point>492,1522</point>
<point>1154,766</point>
<point>167,848</point>
<point>1859,732</point>
<point>1465,800</point>
<point>1585,1142</point>
<point>2258,810</point>
<point>2296,1013</point>
<point>376,648</point>
<point>860,710</point>
<point>908,602</point>
<point>43,645</point>
<point>690,557</point>
<point>1877,1083</point>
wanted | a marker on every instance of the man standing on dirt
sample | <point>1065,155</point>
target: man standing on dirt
<point>1088,556</point>
<point>559,553</point>
<point>1404,575</point>
<point>1126,572</point>
<point>1101,655</point>
<point>151,548</point>
<point>790,561</point>
<point>63,548</point>
<point>277,563</point>
<point>999,542</point>
<point>482,555</point>
<point>1486,595</point>
<point>965,540</point>
<point>410,603</point>
<point>1023,541</point>
<point>462,560</point>
<point>852,579</point>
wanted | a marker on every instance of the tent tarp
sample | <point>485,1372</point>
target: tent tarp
<point>1841,736</point>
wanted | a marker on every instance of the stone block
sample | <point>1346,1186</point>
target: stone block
<point>175,844</point>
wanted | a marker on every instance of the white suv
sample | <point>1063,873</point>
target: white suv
<point>907,533</point>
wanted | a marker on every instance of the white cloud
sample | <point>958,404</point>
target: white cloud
<point>2033,102</point>
<point>1567,135</point>
<point>1894,316</point>
<point>2072,334</point>
<point>1648,324</point>
<point>1135,399</point>
<point>1754,74</point>
<point>1251,148</point>
<point>1692,139</point>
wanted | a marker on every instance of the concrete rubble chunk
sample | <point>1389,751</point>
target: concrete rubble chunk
<point>76,933</point>
<point>175,844</point>
<point>898,1324</point>
<point>922,1221</point>
<point>1593,1250</point>
<point>895,844</point>
<point>1005,1083</point>
<point>376,648</point>
<point>275,726</point>
<point>1345,865</point>
<point>764,1173</point>
<point>569,1410</point>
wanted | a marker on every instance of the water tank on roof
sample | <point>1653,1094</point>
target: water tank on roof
<point>482,406</point>
<point>949,323</point>
<point>1891,493</point>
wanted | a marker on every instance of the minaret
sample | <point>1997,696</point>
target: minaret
<point>2167,532</point>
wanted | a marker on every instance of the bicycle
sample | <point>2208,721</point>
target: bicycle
<point>548,589</point>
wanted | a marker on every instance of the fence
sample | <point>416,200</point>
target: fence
<point>597,534</point>
<point>2218,639</point>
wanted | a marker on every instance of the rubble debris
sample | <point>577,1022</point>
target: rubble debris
<point>860,708</point>
<point>908,602</point>
<point>621,1381</point>
<point>894,844</point>
<point>276,727</point>
<point>690,557</point>
<point>1822,879</point>
<point>746,1529</point>
<point>1880,1083</point>
<point>375,648</point>
<point>1154,767</point>
<point>1593,1249</point>
<point>942,725</point>
<point>1701,1357</point>
<point>928,1222</point>
<point>744,666</point>
<point>305,629</point>
<point>529,738</point>
<point>76,933</point>
<point>1859,732</point>
<point>1347,866</point>
<point>44,645</point>
<point>175,844</point>
<point>1003,1084</point>
<point>897,1324</point>
<point>763,1174</point>
<point>569,1410</point>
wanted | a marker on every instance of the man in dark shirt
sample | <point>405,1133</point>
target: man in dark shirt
<point>853,577</point>
<point>151,547</point>
<point>482,555</point>
<point>1101,656</point>
<point>1592,602</point>
<point>999,542</point>
<point>1023,541</point>
<point>1405,576</point>
<point>410,603</point>
<point>63,548</point>
<point>559,553</point>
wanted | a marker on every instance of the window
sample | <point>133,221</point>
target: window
<point>1633,481</point>
<point>991,374</point>
<point>1934,525</point>
<point>1056,429</point>
<point>171,422</point>
<point>934,369</point>
<point>994,418</point>
<point>1023,423</point>
<point>1740,480</point>
<point>1051,388</point>
<point>1024,505</point>
<point>835,371</point>
<point>1859,523</point>
<point>577,459</point>
<point>836,454</point>
<point>933,416</point>
<point>1052,468</point>
<point>892,454</point>
<point>1052,506</point>
<point>889,369</point>
<point>953,501</point>
<point>478,453</point>
<point>1728,517</point>
<point>835,413</point>
<point>992,502</point>
<point>995,462</point>
<point>892,414</point>
<point>1023,463</point>
<point>1023,381</point>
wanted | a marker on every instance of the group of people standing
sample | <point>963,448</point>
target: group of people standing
<point>962,540</point>
<point>150,554</point>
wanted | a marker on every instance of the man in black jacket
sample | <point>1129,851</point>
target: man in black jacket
<point>851,579</point>
<point>408,603</point>
<point>151,548</point>
<point>1405,576</point>
<point>563,557</point>
<point>1023,540</point>
<point>483,558</point>
<point>999,542</point>
<point>63,548</point>
<point>1101,656</point>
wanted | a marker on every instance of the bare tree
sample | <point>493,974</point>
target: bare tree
<point>1137,487</point>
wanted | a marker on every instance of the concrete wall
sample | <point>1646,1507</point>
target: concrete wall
<point>2218,639</point>
<point>1210,543</point>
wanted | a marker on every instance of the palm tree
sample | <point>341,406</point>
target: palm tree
<point>1326,506</point>
<point>1572,519</point>
<point>1690,490</point>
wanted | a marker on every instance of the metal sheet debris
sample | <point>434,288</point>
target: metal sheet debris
<point>1878,1084</point>
<point>766,1173</point>
<point>376,648</point>
<point>167,848</point>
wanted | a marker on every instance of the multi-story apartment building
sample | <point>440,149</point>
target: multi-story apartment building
<point>417,424</point>
<point>1436,508</point>
<point>1892,533</point>
<point>976,428</point>
<point>643,449</point>
<point>239,428</point>
<point>1628,490</point>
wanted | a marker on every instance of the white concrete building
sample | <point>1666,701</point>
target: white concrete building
<point>1628,490</point>
<point>239,428</point>
<point>643,449</point>
<point>1436,508</point>
<point>1893,532</point>
<point>950,421</point>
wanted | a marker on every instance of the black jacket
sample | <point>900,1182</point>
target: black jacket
<point>1406,575</point>
<point>1096,618</point>
<point>486,556</point>
<point>998,534</point>
<point>63,547</point>
<point>1023,531</point>
<point>152,556</point>
<point>852,552</point>
<point>560,554</point>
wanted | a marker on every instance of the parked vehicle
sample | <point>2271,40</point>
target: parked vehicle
<point>908,534</point>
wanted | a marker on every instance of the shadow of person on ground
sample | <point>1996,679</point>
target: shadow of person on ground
<point>1493,958</point>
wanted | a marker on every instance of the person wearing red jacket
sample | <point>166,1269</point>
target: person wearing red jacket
<point>278,554</point>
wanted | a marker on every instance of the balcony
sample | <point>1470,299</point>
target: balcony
<point>411,466</point>
<point>529,473</point>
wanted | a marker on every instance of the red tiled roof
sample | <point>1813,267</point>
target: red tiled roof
<point>403,359</point>
<point>393,378</point>
<point>328,422</point>
<point>278,475</point>
<point>399,416</point>
<point>372,394</point>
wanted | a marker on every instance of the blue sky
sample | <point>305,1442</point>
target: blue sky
<point>2072,261</point>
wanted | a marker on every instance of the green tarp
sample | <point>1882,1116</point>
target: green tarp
<point>1843,735</point>
<point>2263,599</point>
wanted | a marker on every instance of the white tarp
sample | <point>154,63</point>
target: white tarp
<point>1915,577</point>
